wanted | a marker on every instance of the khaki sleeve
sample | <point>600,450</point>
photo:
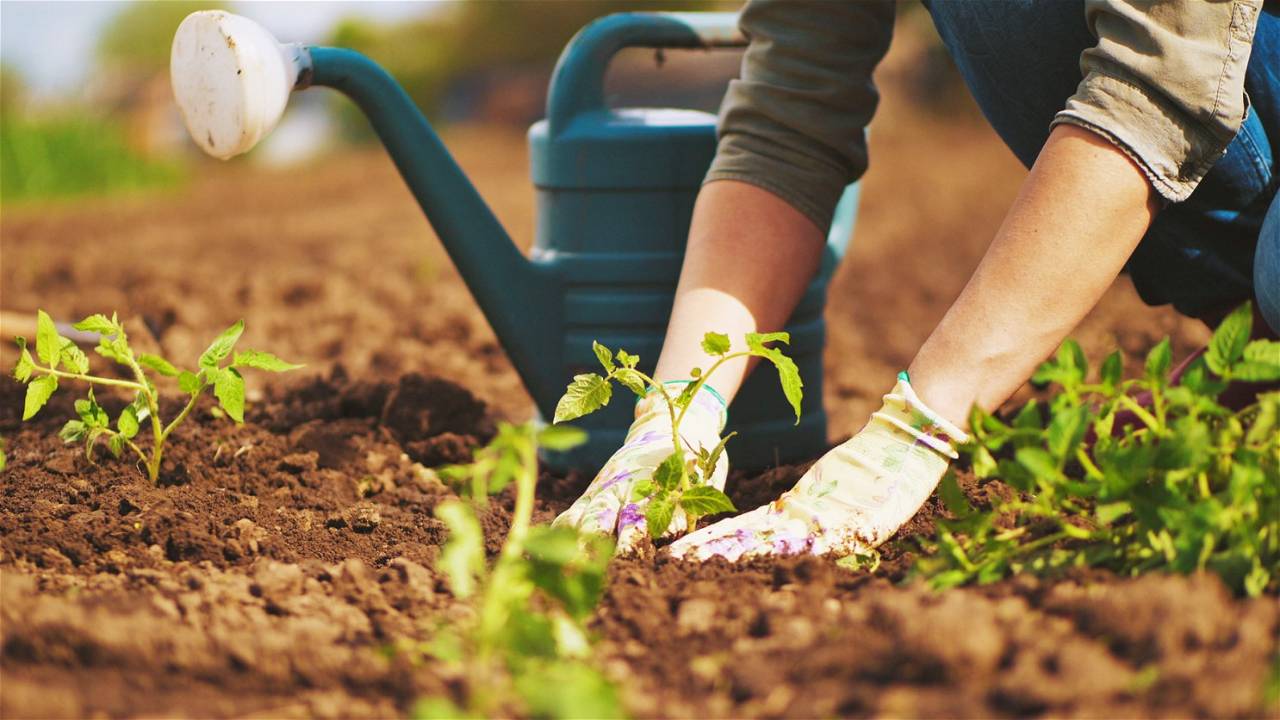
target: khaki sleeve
<point>1165,83</point>
<point>794,123</point>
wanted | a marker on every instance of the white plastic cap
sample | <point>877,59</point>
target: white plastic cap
<point>231,80</point>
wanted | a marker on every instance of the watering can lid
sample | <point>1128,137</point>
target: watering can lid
<point>625,148</point>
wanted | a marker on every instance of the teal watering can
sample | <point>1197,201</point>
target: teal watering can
<point>615,192</point>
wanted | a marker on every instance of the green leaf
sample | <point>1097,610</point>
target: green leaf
<point>116,350</point>
<point>586,394</point>
<point>788,374</point>
<point>462,559</point>
<point>953,498</point>
<point>1108,513</point>
<point>667,475</point>
<point>1158,361</point>
<point>116,445</point>
<point>98,323</point>
<point>22,371</point>
<point>658,515</point>
<point>1112,370</point>
<point>1248,371</point>
<point>221,347</point>
<point>757,341</point>
<point>4,460</point>
<point>91,412</point>
<point>189,382</point>
<point>561,437</point>
<point>642,490</point>
<point>709,462</point>
<point>1038,461</point>
<point>73,431</point>
<point>1266,352</point>
<point>1066,430</point>
<point>262,361</point>
<point>627,360</point>
<point>127,423</point>
<point>714,343</point>
<point>705,500</point>
<point>48,341</point>
<point>38,393</point>
<point>73,358</point>
<point>1230,339</point>
<point>228,386</point>
<point>604,355</point>
<point>157,363</point>
<point>563,689</point>
<point>631,380</point>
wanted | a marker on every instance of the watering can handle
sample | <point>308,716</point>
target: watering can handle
<point>577,86</point>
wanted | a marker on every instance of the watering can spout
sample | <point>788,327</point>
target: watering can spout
<point>232,80</point>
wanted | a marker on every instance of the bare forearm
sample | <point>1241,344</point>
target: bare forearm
<point>1080,214</point>
<point>750,257</point>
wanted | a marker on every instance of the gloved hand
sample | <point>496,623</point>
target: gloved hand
<point>853,499</point>
<point>607,507</point>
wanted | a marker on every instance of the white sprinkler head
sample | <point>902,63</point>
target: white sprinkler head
<point>231,79</point>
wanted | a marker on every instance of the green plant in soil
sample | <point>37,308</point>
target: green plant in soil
<point>681,480</point>
<point>1191,485</point>
<point>59,359</point>
<point>525,649</point>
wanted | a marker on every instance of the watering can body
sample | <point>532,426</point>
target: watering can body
<point>615,192</point>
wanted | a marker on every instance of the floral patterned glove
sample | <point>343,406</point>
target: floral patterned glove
<point>607,507</point>
<point>851,500</point>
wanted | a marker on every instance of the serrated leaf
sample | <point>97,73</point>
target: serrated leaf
<point>708,461</point>
<point>714,343</point>
<point>228,387</point>
<point>221,347</point>
<point>91,412</point>
<point>38,393</point>
<point>1230,339</point>
<point>705,500</point>
<point>22,370</point>
<point>587,393</point>
<point>642,490</point>
<point>631,380</point>
<point>48,341</point>
<point>561,437</point>
<point>189,382</point>
<point>686,395</point>
<point>462,559</point>
<point>1263,352</point>
<point>658,514</point>
<point>1249,371</point>
<point>260,360</point>
<point>73,358</point>
<point>116,445</point>
<point>604,355</point>
<point>97,323</point>
<point>157,363</point>
<point>627,360</point>
<point>788,374</point>
<point>757,341</point>
<point>73,431</point>
<point>1112,370</point>
<point>127,423</point>
<point>1158,361</point>
<point>116,350</point>
<point>667,475</point>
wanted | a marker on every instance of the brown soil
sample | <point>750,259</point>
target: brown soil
<point>277,561</point>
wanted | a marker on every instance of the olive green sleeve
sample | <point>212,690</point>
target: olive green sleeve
<point>1165,83</point>
<point>794,123</point>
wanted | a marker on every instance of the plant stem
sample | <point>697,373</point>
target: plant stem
<point>88,378</point>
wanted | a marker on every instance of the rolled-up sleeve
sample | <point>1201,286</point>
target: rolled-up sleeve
<point>794,123</point>
<point>1165,83</point>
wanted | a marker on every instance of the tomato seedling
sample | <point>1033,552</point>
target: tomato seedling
<point>679,480</point>
<point>1187,485</point>
<point>525,650</point>
<point>58,358</point>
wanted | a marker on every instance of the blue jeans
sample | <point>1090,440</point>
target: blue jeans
<point>1021,61</point>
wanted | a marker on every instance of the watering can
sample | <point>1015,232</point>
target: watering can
<point>615,192</point>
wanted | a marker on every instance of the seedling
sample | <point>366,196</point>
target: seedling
<point>60,359</point>
<point>679,480</point>
<point>526,650</point>
<point>1192,485</point>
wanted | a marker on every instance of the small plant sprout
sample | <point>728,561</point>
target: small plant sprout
<point>525,650</point>
<point>57,359</point>
<point>680,480</point>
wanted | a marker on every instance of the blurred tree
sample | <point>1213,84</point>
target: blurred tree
<point>466,39</point>
<point>137,39</point>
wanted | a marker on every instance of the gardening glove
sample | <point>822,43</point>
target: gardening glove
<point>607,506</point>
<point>853,499</point>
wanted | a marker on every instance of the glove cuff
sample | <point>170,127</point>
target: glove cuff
<point>706,402</point>
<point>904,410</point>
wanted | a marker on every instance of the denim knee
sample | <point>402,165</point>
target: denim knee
<point>1266,267</point>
